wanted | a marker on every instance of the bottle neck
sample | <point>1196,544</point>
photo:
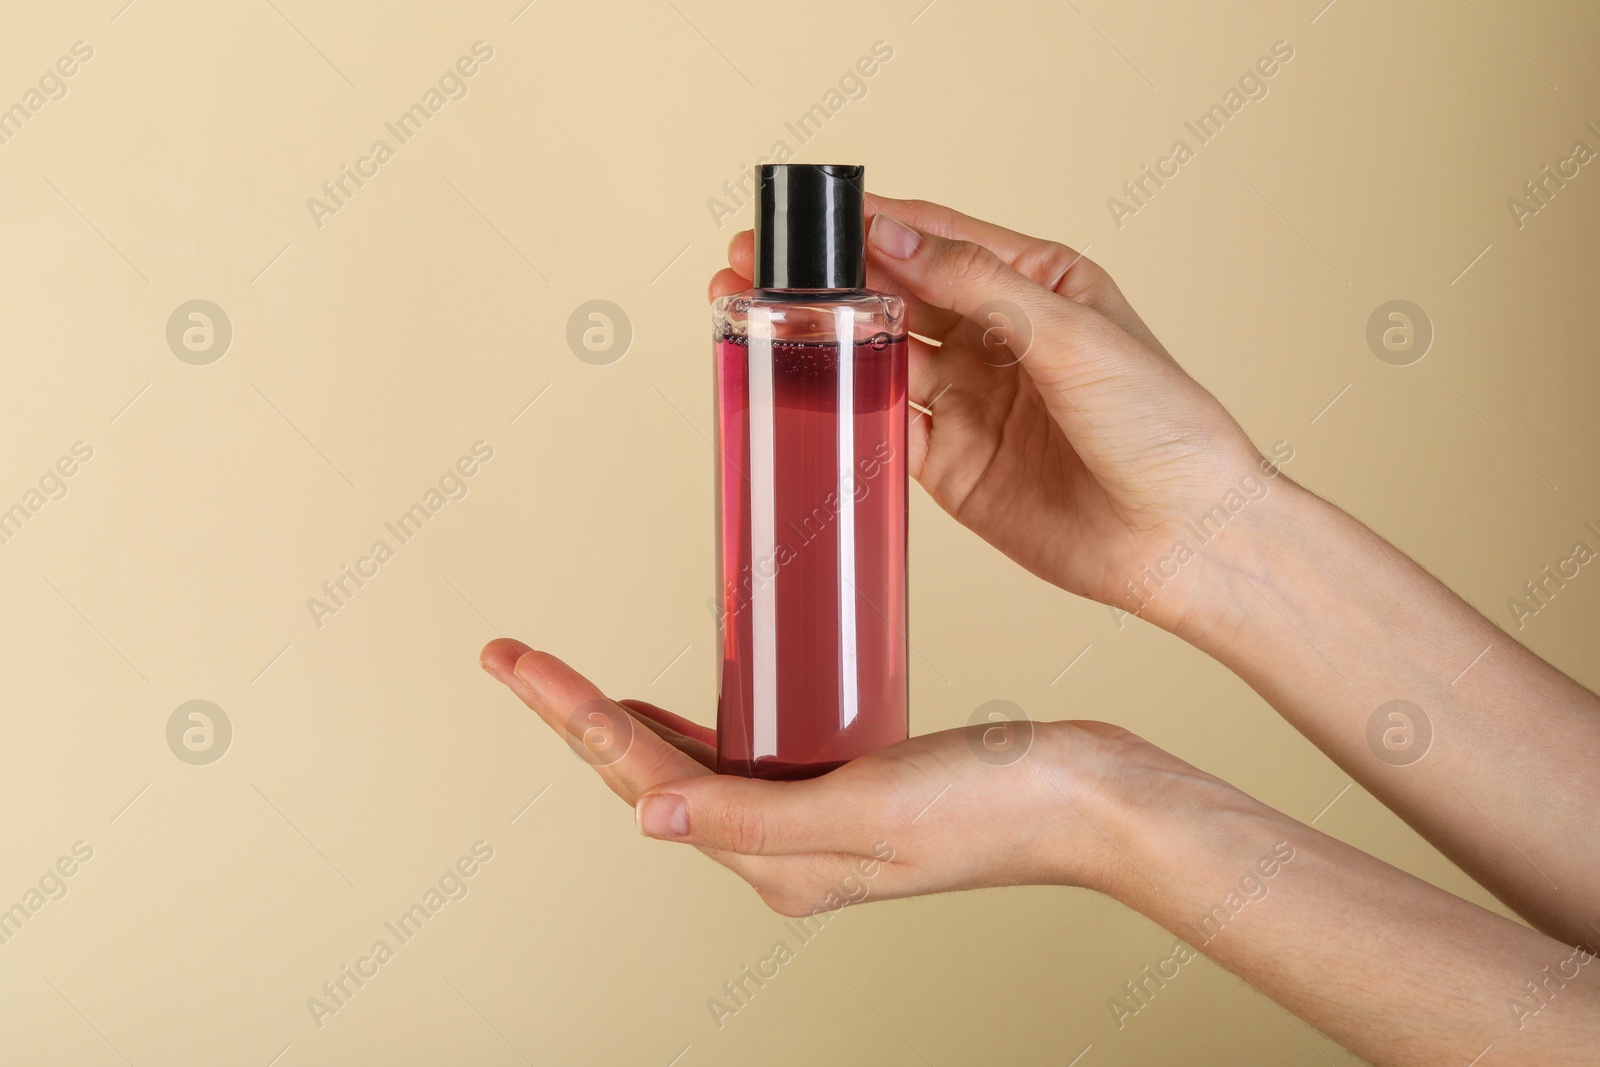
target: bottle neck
<point>802,295</point>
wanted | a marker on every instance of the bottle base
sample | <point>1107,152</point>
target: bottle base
<point>772,770</point>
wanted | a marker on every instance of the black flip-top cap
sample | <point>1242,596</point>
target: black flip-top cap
<point>810,227</point>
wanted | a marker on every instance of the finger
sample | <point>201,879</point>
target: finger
<point>627,755</point>
<point>736,279</point>
<point>929,217</point>
<point>498,655</point>
<point>750,817</point>
<point>676,723</point>
<point>742,253</point>
<point>701,753</point>
<point>927,380</point>
<point>1069,342</point>
<point>687,737</point>
<point>726,282</point>
<point>1086,367</point>
<point>931,384</point>
<point>950,274</point>
<point>1049,264</point>
<point>921,318</point>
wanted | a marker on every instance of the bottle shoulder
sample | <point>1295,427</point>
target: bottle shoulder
<point>819,297</point>
<point>802,313</point>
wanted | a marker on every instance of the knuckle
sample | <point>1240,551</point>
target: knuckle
<point>1076,276</point>
<point>1095,289</point>
<point>1049,261</point>
<point>916,209</point>
<point>971,264</point>
<point>658,762</point>
<point>739,828</point>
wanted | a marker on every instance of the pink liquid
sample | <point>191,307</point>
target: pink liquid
<point>813,597</point>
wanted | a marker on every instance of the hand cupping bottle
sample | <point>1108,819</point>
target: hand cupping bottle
<point>811,489</point>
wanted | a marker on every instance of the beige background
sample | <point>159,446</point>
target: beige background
<point>369,353</point>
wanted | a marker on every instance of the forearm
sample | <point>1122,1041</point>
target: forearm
<point>1492,756</point>
<point>1389,966</point>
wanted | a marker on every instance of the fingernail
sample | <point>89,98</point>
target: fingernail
<point>496,653</point>
<point>894,239</point>
<point>663,815</point>
<point>527,669</point>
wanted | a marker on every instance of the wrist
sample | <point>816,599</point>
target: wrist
<point>1236,553</point>
<point>1119,808</point>
<point>1175,835</point>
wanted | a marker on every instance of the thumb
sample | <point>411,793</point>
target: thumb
<point>951,274</point>
<point>755,818</point>
<point>1085,365</point>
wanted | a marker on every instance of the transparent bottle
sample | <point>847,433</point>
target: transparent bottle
<point>811,489</point>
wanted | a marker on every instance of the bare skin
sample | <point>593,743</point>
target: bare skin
<point>1088,461</point>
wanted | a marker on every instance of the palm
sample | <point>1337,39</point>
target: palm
<point>924,806</point>
<point>995,459</point>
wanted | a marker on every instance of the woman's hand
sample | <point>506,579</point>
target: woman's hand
<point>1333,934</point>
<point>1010,804</point>
<point>1082,449</point>
<point>1086,456</point>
